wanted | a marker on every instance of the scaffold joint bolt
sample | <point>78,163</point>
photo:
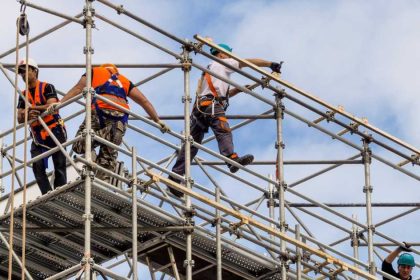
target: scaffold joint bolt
<point>87,217</point>
<point>189,263</point>
<point>271,203</point>
<point>189,99</point>
<point>88,50</point>
<point>120,9</point>
<point>280,94</point>
<point>186,66</point>
<point>281,144</point>
<point>372,227</point>
<point>188,214</point>
<point>368,189</point>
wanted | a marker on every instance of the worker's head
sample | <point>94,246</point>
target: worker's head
<point>32,69</point>
<point>110,67</point>
<point>215,52</point>
<point>405,265</point>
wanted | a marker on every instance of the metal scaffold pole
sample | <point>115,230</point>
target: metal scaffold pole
<point>218,237</point>
<point>186,67</point>
<point>281,182</point>
<point>134,210</point>
<point>355,243</point>
<point>88,217</point>
<point>367,189</point>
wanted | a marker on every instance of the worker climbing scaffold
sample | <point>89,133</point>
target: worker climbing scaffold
<point>108,121</point>
<point>210,111</point>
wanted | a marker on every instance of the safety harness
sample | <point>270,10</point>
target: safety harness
<point>113,88</point>
<point>208,100</point>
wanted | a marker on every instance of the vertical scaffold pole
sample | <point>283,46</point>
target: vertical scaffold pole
<point>186,67</point>
<point>368,191</point>
<point>134,211</point>
<point>355,244</point>
<point>1,166</point>
<point>271,205</point>
<point>298,254</point>
<point>281,183</point>
<point>218,238</point>
<point>88,217</point>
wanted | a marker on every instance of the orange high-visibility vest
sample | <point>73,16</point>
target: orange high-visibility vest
<point>51,120</point>
<point>111,85</point>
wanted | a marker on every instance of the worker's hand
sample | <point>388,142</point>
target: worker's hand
<point>163,126</point>
<point>406,247</point>
<point>52,108</point>
<point>276,67</point>
<point>33,114</point>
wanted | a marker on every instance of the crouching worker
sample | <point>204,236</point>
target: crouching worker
<point>40,96</point>
<point>108,121</point>
<point>405,263</point>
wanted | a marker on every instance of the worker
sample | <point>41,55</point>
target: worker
<point>108,121</point>
<point>39,97</point>
<point>405,263</point>
<point>209,111</point>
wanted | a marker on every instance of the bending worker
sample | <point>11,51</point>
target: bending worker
<point>405,263</point>
<point>108,121</point>
<point>41,95</point>
<point>209,111</point>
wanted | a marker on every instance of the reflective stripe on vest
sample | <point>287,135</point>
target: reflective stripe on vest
<point>112,86</point>
<point>39,99</point>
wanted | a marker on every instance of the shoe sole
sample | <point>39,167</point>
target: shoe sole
<point>245,160</point>
<point>174,191</point>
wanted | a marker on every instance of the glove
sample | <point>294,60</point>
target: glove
<point>406,247</point>
<point>52,108</point>
<point>163,126</point>
<point>275,67</point>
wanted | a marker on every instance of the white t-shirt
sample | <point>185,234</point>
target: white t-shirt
<point>220,86</point>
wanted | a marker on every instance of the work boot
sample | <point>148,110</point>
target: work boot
<point>174,191</point>
<point>244,160</point>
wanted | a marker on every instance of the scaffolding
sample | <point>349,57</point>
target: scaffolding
<point>90,227</point>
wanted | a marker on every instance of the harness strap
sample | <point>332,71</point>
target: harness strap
<point>102,115</point>
<point>211,86</point>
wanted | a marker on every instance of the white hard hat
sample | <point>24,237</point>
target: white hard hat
<point>31,62</point>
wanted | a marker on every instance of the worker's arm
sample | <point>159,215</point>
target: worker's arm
<point>21,115</point>
<point>256,61</point>
<point>44,107</point>
<point>140,99</point>
<point>391,257</point>
<point>235,91</point>
<point>78,88</point>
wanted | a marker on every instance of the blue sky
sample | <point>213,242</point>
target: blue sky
<point>362,55</point>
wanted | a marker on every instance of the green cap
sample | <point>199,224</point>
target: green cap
<point>406,259</point>
<point>213,51</point>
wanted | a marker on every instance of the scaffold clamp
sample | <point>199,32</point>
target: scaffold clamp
<point>187,263</point>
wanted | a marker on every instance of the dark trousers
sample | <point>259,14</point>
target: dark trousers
<point>113,131</point>
<point>59,160</point>
<point>200,123</point>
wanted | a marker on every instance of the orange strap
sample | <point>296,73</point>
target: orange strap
<point>206,103</point>
<point>210,83</point>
